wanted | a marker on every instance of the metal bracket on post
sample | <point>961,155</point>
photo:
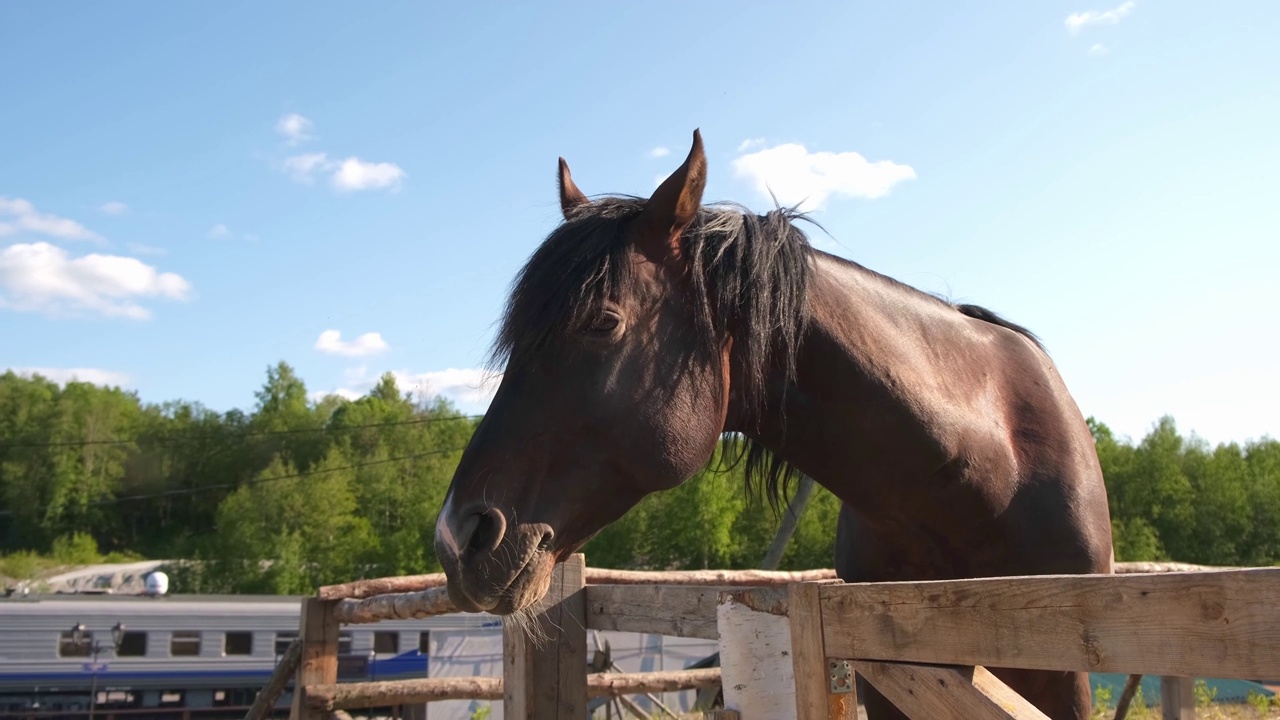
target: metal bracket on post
<point>841,674</point>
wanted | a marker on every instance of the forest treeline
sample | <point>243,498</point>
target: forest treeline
<point>300,492</point>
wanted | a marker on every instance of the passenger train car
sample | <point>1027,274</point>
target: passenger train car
<point>191,657</point>
<point>185,656</point>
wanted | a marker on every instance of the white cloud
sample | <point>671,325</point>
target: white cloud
<point>1076,21</point>
<point>351,174</point>
<point>356,174</point>
<point>749,143</point>
<point>62,376</point>
<point>331,342</point>
<point>659,152</point>
<point>1098,50</point>
<point>39,277</point>
<point>218,232</point>
<point>302,168</point>
<point>114,207</point>
<point>22,217</point>
<point>471,389</point>
<point>795,175</point>
<point>295,128</point>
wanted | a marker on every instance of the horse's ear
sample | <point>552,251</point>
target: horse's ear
<point>570,196</point>
<point>674,205</point>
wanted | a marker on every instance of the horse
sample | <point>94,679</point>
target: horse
<point>642,332</point>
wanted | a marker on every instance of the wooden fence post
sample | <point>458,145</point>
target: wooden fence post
<point>809,661</point>
<point>544,669</point>
<point>755,653</point>
<point>1177,698</point>
<point>318,633</point>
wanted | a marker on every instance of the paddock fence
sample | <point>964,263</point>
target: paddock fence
<point>791,643</point>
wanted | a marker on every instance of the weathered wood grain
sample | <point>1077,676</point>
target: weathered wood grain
<point>740,578</point>
<point>403,692</point>
<point>814,699</point>
<point>359,589</point>
<point>408,692</point>
<point>380,586</point>
<point>544,666</point>
<point>616,684</point>
<point>1221,623</point>
<point>394,606</point>
<point>604,576</point>
<point>318,662</point>
<point>683,611</point>
<point>934,691</point>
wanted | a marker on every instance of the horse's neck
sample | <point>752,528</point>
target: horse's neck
<point>876,375</point>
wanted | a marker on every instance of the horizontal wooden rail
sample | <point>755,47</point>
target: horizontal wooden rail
<point>749,578</point>
<point>678,610</point>
<point>360,589</point>
<point>1223,623</point>
<point>406,692</point>
<point>394,606</point>
<point>403,692</point>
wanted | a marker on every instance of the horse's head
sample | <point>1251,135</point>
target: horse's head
<point>615,386</point>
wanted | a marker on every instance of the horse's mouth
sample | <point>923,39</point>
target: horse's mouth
<point>527,586</point>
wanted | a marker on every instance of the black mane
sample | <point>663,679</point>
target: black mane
<point>749,276</point>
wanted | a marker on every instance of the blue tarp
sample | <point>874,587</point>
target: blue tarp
<point>1227,690</point>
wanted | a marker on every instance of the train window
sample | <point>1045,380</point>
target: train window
<point>68,647</point>
<point>283,641</point>
<point>238,643</point>
<point>132,644</point>
<point>424,642</point>
<point>184,643</point>
<point>386,643</point>
<point>344,643</point>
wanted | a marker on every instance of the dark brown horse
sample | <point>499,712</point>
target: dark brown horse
<point>641,331</point>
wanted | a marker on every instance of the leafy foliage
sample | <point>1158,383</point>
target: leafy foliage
<point>299,492</point>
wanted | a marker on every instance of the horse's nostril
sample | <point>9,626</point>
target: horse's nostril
<point>545,542</point>
<point>487,530</point>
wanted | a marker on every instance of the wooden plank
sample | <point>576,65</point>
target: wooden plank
<point>318,632</point>
<point>936,691</point>
<point>814,699</point>
<point>1222,623</point>
<point>1177,698</point>
<point>682,611</point>
<point>265,701</point>
<point>545,664</point>
<point>755,654</point>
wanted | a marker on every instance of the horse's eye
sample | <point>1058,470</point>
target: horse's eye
<point>604,323</point>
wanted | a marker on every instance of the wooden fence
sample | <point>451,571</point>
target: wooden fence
<point>790,643</point>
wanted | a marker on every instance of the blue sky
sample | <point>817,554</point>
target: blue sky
<point>192,192</point>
